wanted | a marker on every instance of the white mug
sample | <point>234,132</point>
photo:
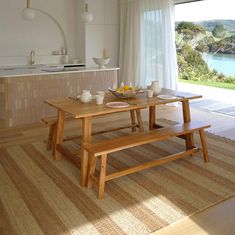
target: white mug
<point>99,99</point>
<point>102,93</point>
<point>150,93</point>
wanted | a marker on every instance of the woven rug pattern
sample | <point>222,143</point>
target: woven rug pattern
<point>40,196</point>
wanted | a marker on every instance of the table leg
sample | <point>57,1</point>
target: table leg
<point>58,139</point>
<point>140,123</point>
<point>187,118</point>
<point>86,139</point>
<point>132,114</point>
<point>152,116</point>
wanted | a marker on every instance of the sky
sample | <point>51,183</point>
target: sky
<point>205,10</point>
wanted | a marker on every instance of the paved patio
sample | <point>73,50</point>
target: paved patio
<point>219,94</point>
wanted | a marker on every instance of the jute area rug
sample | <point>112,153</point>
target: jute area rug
<point>40,196</point>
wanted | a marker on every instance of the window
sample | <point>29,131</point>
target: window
<point>205,41</point>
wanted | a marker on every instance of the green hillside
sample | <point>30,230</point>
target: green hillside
<point>193,40</point>
<point>229,25</point>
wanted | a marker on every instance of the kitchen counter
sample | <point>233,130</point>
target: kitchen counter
<point>19,71</point>
<point>23,90</point>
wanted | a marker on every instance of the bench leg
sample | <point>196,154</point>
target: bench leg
<point>204,145</point>
<point>140,123</point>
<point>102,176</point>
<point>132,114</point>
<point>91,170</point>
<point>51,136</point>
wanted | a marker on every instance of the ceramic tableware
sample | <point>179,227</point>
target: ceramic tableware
<point>99,99</point>
<point>149,93</point>
<point>85,97</point>
<point>102,93</point>
<point>166,97</point>
<point>117,105</point>
<point>155,86</point>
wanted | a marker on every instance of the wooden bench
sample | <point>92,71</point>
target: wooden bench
<point>113,145</point>
<point>51,122</point>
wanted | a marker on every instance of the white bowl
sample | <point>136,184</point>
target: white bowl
<point>102,62</point>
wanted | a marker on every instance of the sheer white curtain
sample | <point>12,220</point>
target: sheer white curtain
<point>147,42</point>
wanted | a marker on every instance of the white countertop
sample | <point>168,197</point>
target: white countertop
<point>19,71</point>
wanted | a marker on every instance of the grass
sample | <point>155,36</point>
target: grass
<point>230,86</point>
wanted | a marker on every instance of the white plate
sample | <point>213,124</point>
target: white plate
<point>166,97</point>
<point>117,105</point>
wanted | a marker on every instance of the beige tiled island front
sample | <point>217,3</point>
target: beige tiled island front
<point>21,96</point>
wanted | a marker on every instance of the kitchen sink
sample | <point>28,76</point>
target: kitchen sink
<point>35,66</point>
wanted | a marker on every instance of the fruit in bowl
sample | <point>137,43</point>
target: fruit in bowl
<point>125,91</point>
<point>125,88</point>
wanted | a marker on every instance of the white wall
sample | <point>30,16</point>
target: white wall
<point>80,40</point>
<point>103,31</point>
<point>18,36</point>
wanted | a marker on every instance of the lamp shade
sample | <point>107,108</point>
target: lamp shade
<point>28,14</point>
<point>86,17</point>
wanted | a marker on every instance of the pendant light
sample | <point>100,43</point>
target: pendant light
<point>86,16</point>
<point>28,13</point>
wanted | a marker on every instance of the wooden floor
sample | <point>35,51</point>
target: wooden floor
<point>219,219</point>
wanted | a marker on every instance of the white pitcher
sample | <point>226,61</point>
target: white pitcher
<point>86,96</point>
<point>155,86</point>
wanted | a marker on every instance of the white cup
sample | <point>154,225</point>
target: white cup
<point>99,99</point>
<point>150,93</point>
<point>102,93</point>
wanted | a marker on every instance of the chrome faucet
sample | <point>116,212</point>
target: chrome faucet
<point>32,57</point>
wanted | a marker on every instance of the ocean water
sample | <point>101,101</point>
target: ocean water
<point>223,63</point>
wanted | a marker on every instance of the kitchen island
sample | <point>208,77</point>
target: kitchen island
<point>22,91</point>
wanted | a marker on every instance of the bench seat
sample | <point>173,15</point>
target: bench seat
<point>51,122</point>
<point>103,148</point>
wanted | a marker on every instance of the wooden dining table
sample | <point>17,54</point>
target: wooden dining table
<point>86,112</point>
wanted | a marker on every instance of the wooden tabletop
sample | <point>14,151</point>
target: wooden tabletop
<point>80,110</point>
